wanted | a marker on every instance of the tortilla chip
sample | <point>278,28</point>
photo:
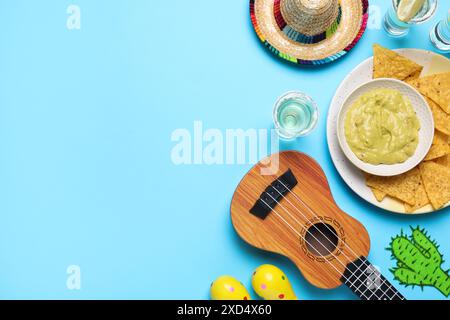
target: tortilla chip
<point>436,179</point>
<point>441,119</point>
<point>421,199</point>
<point>411,209</point>
<point>402,187</point>
<point>413,76</point>
<point>444,161</point>
<point>379,195</point>
<point>389,64</point>
<point>437,88</point>
<point>439,148</point>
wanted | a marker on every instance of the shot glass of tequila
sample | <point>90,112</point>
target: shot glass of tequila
<point>440,35</point>
<point>295,115</point>
<point>403,14</point>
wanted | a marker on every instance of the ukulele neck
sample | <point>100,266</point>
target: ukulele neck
<point>368,283</point>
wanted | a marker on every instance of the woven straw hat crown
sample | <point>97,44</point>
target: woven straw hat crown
<point>310,17</point>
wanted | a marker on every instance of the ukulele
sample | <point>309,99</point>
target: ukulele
<point>284,205</point>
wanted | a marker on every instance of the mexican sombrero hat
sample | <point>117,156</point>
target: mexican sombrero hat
<point>309,32</point>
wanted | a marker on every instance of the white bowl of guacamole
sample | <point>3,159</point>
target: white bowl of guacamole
<point>385,127</point>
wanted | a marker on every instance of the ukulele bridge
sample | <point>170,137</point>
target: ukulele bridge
<point>273,194</point>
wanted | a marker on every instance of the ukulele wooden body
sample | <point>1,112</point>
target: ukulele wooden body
<point>285,230</point>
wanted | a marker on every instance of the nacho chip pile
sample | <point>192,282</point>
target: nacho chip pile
<point>389,64</point>
<point>429,183</point>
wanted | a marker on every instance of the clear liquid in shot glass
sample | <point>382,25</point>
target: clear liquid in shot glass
<point>295,115</point>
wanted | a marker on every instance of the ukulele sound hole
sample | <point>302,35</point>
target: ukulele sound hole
<point>321,239</point>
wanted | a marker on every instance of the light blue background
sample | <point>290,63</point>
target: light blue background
<point>86,118</point>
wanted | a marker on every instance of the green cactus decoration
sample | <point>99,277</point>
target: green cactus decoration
<point>419,262</point>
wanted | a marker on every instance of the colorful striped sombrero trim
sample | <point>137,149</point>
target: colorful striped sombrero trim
<point>284,56</point>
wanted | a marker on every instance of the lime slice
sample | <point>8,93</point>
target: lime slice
<point>408,9</point>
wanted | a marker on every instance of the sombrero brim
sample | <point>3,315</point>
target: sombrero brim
<point>353,22</point>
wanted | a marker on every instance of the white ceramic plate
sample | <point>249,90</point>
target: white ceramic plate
<point>422,110</point>
<point>349,173</point>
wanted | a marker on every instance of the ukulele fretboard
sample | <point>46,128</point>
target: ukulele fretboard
<point>368,283</point>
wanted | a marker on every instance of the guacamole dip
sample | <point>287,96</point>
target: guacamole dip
<point>381,127</point>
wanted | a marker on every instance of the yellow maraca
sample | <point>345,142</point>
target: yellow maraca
<point>228,288</point>
<point>270,283</point>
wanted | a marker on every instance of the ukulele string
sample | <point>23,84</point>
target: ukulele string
<point>365,264</point>
<point>354,272</point>
<point>295,231</point>
<point>357,278</point>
